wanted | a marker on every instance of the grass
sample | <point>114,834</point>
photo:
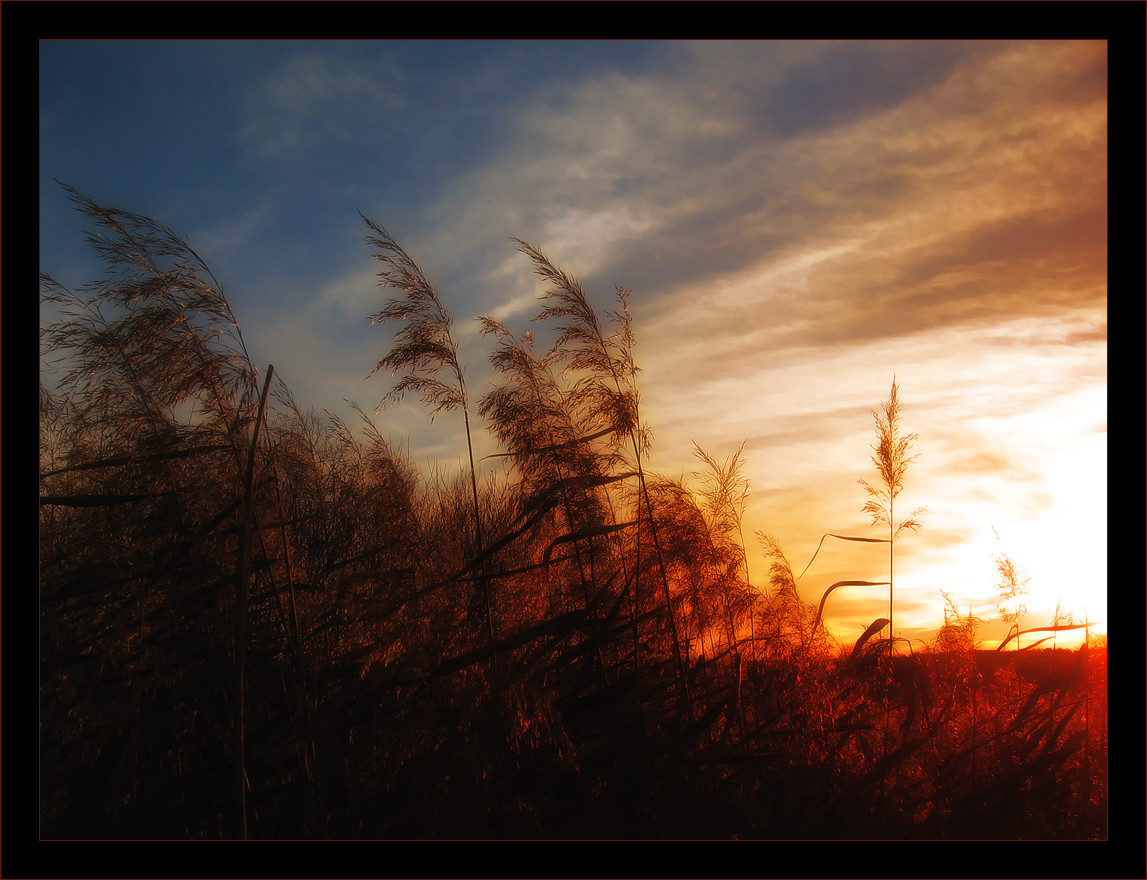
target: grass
<point>198,529</point>
<point>891,458</point>
<point>424,348</point>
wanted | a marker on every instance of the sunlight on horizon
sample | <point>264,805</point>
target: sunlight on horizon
<point>1026,458</point>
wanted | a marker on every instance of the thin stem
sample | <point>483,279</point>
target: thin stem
<point>244,575</point>
<point>891,546</point>
<point>481,540</point>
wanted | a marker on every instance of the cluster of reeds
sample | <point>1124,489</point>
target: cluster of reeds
<point>263,622</point>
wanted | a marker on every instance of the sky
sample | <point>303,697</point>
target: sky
<point>798,222</point>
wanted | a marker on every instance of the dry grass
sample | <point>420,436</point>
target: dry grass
<point>622,705</point>
<point>891,458</point>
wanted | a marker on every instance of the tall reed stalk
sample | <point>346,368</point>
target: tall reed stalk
<point>606,389</point>
<point>890,455</point>
<point>424,348</point>
<point>558,467</point>
<point>725,492</point>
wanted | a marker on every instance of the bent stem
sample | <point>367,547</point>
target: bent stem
<point>424,347</point>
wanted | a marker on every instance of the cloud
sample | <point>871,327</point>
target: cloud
<point>853,80</point>
<point>974,195</point>
<point>233,236</point>
<point>311,99</point>
<point>919,215</point>
<point>746,251</point>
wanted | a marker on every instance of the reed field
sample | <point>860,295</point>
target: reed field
<point>268,623</point>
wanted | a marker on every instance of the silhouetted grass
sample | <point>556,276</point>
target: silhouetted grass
<point>180,492</point>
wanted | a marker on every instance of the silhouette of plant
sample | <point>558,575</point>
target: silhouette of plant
<point>424,348</point>
<point>165,414</point>
<point>724,492</point>
<point>890,455</point>
<point>1012,588</point>
<point>604,389</point>
<point>251,620</point>
<point>959,631</point>
<point>559,467</point>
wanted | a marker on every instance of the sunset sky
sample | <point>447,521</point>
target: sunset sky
<point>797,221</point>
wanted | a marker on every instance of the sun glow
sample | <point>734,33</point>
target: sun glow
<point>1024,461</point>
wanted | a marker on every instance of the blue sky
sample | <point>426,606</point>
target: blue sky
<point>797,222</point>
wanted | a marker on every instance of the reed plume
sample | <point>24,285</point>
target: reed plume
<point>163,397</point>
<point>724,492</point>
<point>559,467</point>
<point>891,458</point>
<point>605,387</point>
<point>787,621</point>
<point>424,348</point>
<point>1012,588</point>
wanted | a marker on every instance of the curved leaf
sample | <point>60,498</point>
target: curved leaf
<point>842,538</point>
<point>591,532</point>
<point>1035,629</point>
<point>824,598</point>
<point>873,628</point>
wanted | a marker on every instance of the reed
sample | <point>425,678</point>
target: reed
<point>243,575</point>
<point>724,492</point>
<point>558,465</point>
<point>891,458</point>
<point>1012,588</point>
<point>560,471</point>
<point>788,624</point>
<point>195,520</point>
<point>605,389</point>
<point>164,415</point>
<point>424,348</point>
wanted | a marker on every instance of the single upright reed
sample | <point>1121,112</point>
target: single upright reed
<point>890,455</point>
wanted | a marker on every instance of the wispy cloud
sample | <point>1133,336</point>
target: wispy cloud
<point>313,99</point>
<point>976,197</point>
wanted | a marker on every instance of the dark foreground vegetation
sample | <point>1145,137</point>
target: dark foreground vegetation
<point>262,622</point>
